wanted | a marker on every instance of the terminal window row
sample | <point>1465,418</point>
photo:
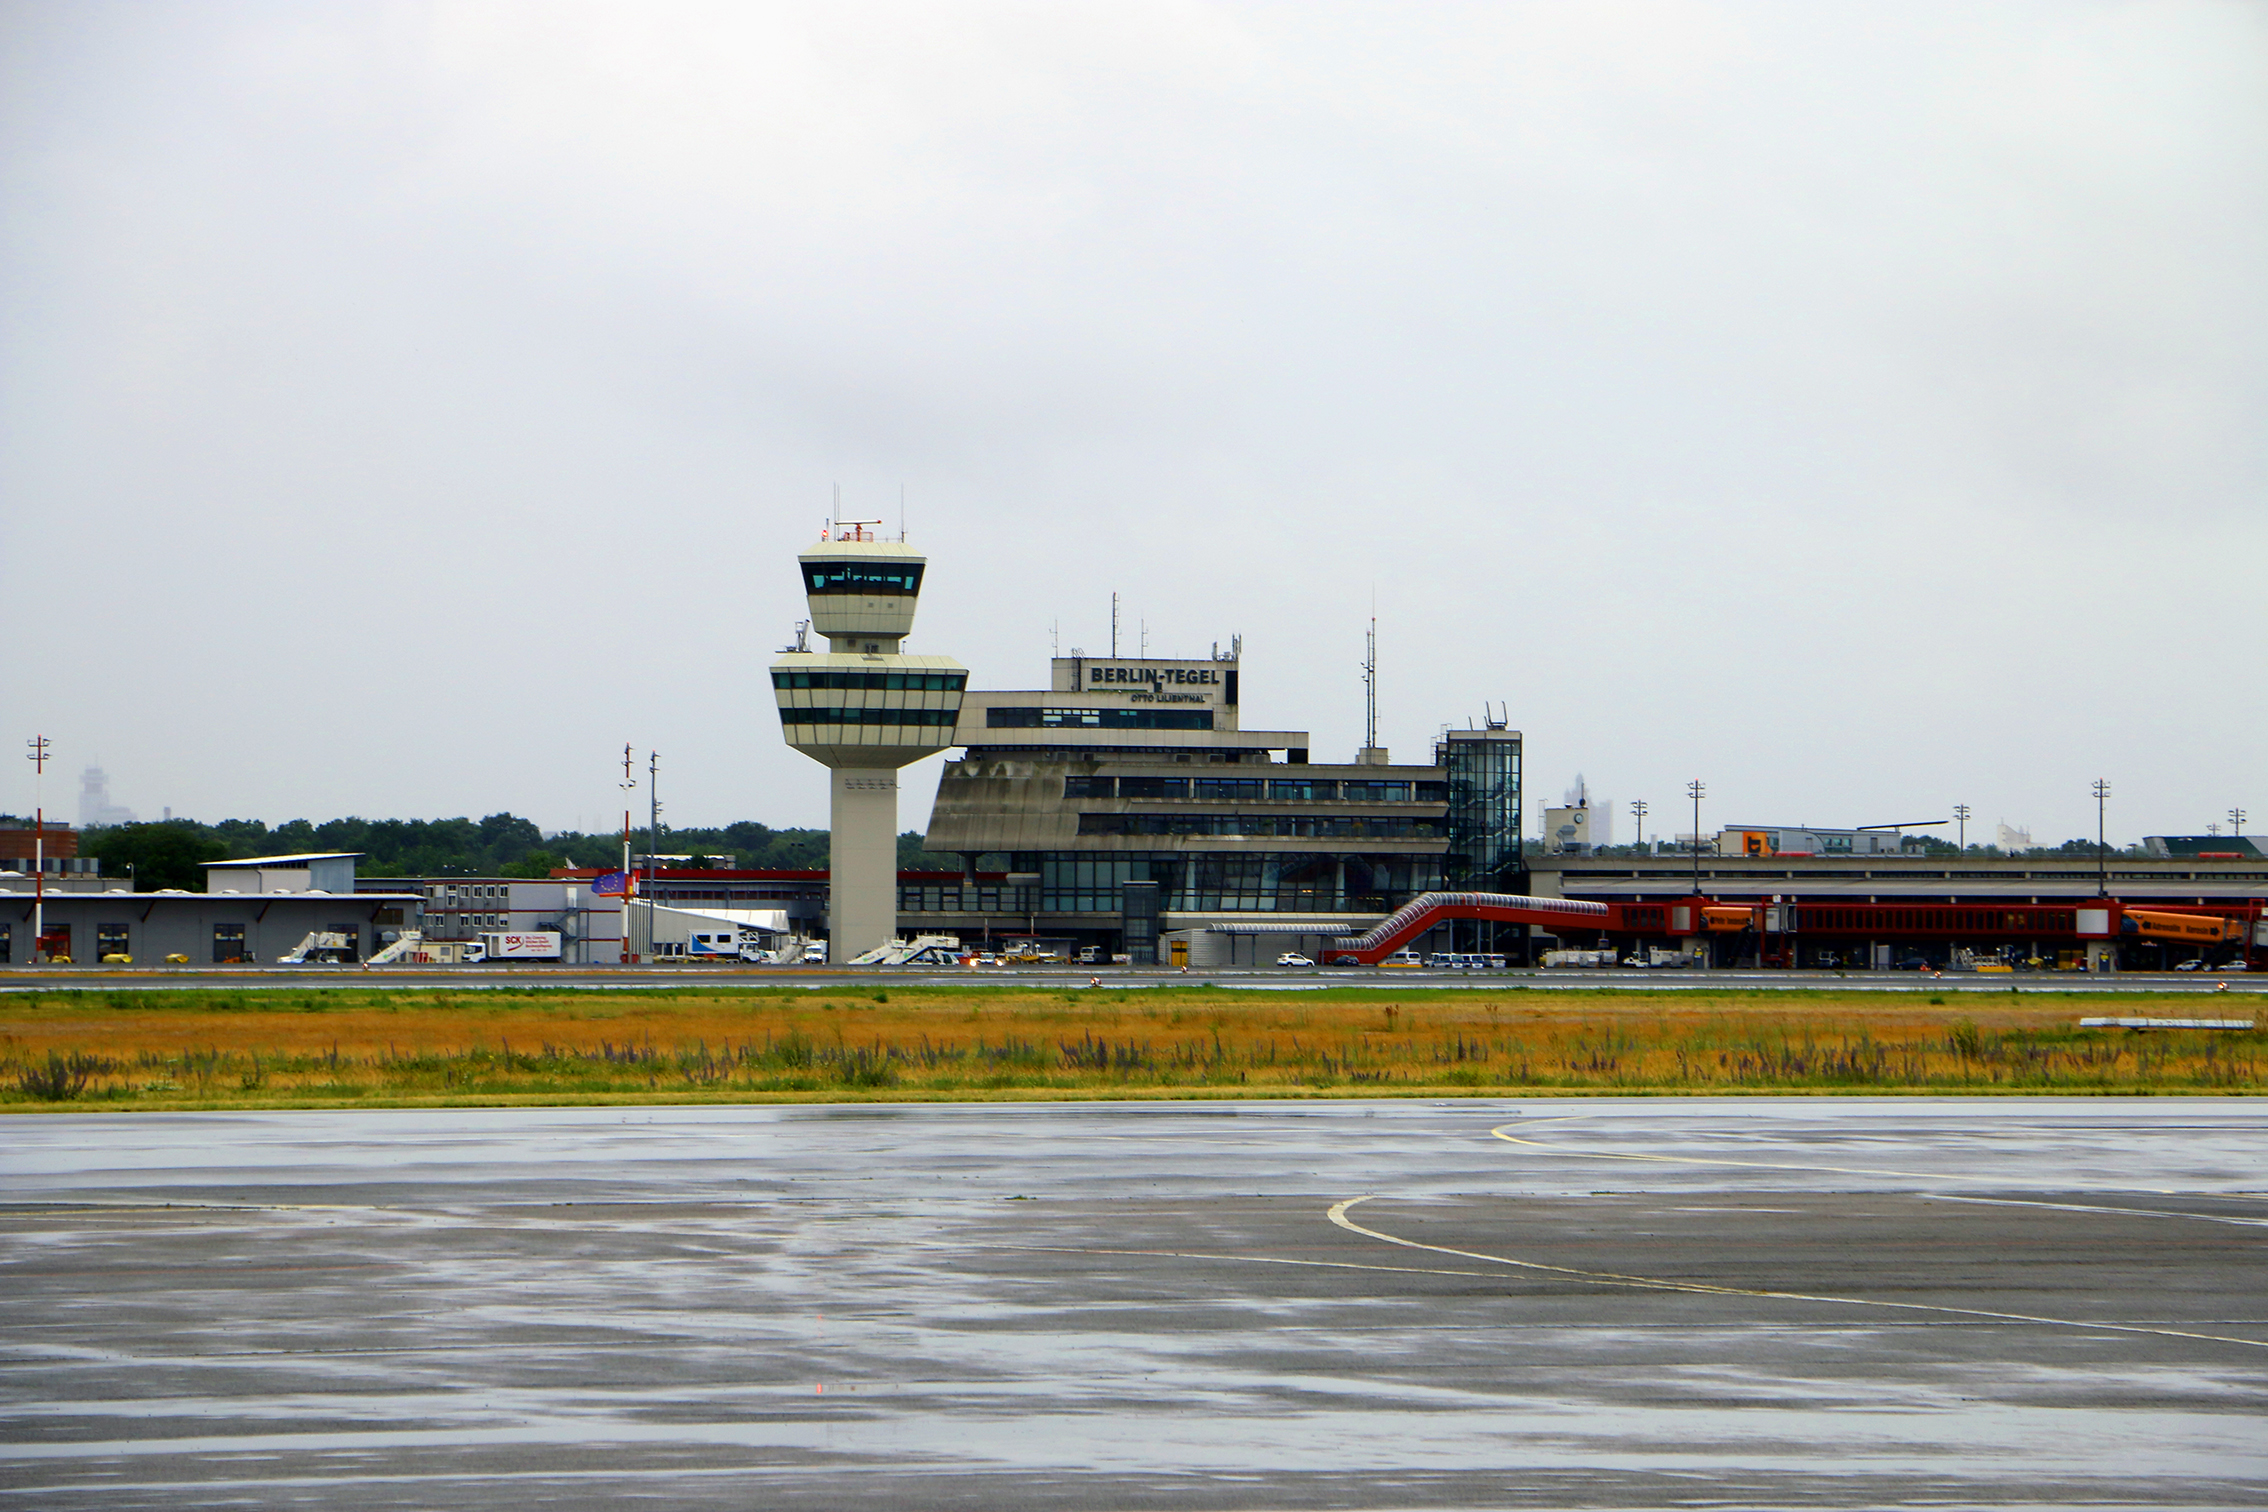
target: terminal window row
<point>1025,717</point>
<point>1302,882</point>
<point>1264,826</point>
<point>1257,789</point>
<point>862,577</point>
<point>874,682</point>
<point>939,717</point>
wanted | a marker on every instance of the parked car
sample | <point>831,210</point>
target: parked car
<point>2196,965</point>
<point>1293,958</point>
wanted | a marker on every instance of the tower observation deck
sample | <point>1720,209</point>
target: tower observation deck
<point>863,709</point>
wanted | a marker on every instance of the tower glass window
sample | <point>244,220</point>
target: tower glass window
<point>862,577</point>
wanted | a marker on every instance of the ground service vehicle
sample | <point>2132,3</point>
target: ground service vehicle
<point>320,945</point>
<point>534,945</point>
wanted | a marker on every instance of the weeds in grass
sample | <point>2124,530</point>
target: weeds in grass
<point>560,1045</point>
<point>60,1077</point>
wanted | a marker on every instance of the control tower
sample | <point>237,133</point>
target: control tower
<point>862,709</point>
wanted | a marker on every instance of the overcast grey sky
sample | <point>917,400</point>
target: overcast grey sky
<point>1860,407</point>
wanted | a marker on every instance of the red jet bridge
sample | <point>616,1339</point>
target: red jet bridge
<point>1421,913</point>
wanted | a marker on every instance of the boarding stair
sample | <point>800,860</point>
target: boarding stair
<point>1424,911</point>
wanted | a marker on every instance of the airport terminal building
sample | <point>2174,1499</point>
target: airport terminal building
<point>1126,802</point>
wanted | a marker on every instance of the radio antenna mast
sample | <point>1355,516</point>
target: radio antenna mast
<point>1114,627</point>
<point>1370,682</point>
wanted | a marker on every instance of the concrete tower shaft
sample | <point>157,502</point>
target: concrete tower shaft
<point>863,709</point>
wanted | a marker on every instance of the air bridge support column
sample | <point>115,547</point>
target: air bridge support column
<point>862,862</point>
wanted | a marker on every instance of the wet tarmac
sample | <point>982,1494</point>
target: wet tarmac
<point>1607,1303</point>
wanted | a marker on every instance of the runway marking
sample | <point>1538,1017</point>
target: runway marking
<point>1078,1249</point>
<point>1338,1215</point>
<point>2091,1207</point>
<point>1749,1165</point>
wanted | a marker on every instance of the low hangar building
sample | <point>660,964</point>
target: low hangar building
<point>251,911</point>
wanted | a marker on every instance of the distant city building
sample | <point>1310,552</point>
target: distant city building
<point>95,807</point>
<point>1568,831</point>
<point>1588,820</point>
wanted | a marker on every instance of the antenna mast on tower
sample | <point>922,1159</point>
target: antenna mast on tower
<point>1370,685</point>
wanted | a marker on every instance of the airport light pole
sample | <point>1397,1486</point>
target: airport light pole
<point>1961,812</point>
<point>1638,817</point>
<point>1698,791</point>
<point>629,783</point>
<point>38,759</point>
<point>2102,852</point>
<point>653,839</point>
<point>2236,822</point>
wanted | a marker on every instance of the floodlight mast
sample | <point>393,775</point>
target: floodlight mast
<point>653,838</point>
<point>2102,854</point>
<point>38,759</point>
<point>629,782</point>
<point>1698,791</point>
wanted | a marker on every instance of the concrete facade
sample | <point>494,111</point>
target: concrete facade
<point>1129,783</point>
<point>864,709</point>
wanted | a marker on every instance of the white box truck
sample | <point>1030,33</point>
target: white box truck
<point>536,945</point>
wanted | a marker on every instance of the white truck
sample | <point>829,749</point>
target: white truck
<point>533,945</point>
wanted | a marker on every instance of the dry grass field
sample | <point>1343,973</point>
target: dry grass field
<point>344,1046</point>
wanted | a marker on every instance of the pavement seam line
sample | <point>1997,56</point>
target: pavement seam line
<point>1338,1215</point>
<point>1745,1165</point>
